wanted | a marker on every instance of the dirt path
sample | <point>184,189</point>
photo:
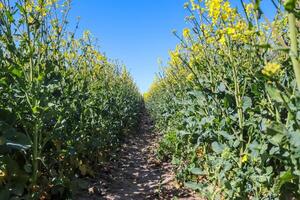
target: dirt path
<point>137,174</point>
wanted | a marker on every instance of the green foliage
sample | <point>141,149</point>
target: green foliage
<point>229,106</point>
<point>63,106</point>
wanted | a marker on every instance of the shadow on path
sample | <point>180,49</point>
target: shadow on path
<point>137,174</point>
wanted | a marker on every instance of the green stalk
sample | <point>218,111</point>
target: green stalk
<point>35,153</point>
<point>238,99</point>
<point>35,156</point>
<point>294,46</point>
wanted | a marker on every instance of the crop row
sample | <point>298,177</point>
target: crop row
<point>228,101</point>
<point>64,107</point>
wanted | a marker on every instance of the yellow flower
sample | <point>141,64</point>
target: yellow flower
<point>226,7</point>
<point>30,19</point>
<point>239,32</point>
<point>271,69</point>
<point>86,34</point>
<point>222,40</point>
<point>1,6</point>
<point>231,31</point>
<point>214,9</point>
<point>186,5</point>
<point>244,158</point>
<point>196,48</point>
<point>146,96</point>
<point>199,152</point>
<point>41,9</point>
<point>227,11</point>
<point>249,8</point>
<point>175,58</point>
<point>194,5</point>
<point>50,2</point>
<point>186,33</point>
<point>190,77</point>
<point>29,6</point>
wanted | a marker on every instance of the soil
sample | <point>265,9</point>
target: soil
<point>137,174</point>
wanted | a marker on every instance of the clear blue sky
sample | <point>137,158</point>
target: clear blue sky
<point>136,32</point>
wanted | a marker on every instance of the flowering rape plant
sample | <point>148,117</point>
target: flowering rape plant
<point>230,122</point>
<point>63,106</point>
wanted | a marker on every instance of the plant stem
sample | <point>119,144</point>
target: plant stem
<point>35,156</point>
<point>238,99</point>
<point>294,46</point>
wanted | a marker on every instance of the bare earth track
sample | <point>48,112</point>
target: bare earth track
<point>137,174</point>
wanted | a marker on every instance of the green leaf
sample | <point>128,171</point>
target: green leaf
<point>197,171</point>
<point>16,72</point>
<point>284,177</point>
<point>276,128</point>
<point>226,135</point>
<point>17,146</point>
<point>217,147</point>
<point>276,139</point>
<point>247,103</point>
<point>274,150</point>
<point>193,185</point>
<point>22,10</point>
<point>12,138</point>
<point>222,87</point>
<point>3,81</point>
<point>276,94</point>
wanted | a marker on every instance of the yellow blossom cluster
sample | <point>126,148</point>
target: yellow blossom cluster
<point>86,35</point>
<point>239,32</point>
<point>29,6</point>
<point>244,158</point>
<point>249,8</point>
<point>195,6</point>
<point>214,9</point>
<point>271,69</point>
<point>50,2</point>
<point>234,28</point>
<point>175,58</point>
<point>186,33</point>
<point>70,55</point>
<point>153,88</point>
<point>146,96</point>
<point>220,9</point>
<point>228,13</point>
<point>196,54</point>
<point>190,77</point>
<point>40,6</point>
<point>41,9</point>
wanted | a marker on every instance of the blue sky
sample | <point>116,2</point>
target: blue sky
<point>136,32</point>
